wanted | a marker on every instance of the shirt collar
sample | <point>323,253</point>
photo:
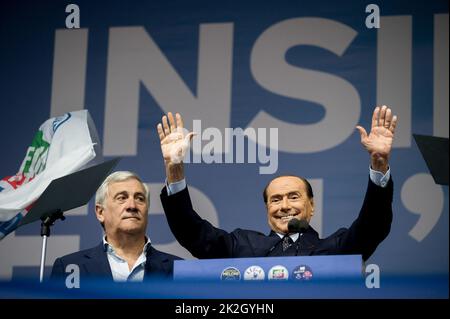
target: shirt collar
<point>294,236</point>
<point>107,247</point>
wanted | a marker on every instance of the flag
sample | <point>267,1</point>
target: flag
<point>61,146</point>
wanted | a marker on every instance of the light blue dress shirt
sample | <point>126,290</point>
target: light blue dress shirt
<point>119,266</point>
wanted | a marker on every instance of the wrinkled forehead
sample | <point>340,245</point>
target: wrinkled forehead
<point>130,185</point>
<point>286,184</point>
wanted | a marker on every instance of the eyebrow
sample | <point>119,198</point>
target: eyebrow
<point>140,193</point>
<point>120,193</point>
<point>289,193</point>
<point>126,193</point>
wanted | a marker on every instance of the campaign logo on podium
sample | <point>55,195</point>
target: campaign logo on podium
<point>254,273</point>
<point>278,272</point>
<point>302,272</point>
<point>230,273</point>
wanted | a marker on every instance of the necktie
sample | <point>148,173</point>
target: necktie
<point>287,242</point>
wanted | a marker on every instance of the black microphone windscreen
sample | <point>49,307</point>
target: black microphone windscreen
<point>297,225</point>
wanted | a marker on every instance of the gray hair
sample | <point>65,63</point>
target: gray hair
<point>115,177</point>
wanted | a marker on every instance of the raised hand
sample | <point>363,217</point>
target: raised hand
<point>379,141</point>
<point>174,145</point>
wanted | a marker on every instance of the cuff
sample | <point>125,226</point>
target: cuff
<point>378,178</point>
<point>176,187</point>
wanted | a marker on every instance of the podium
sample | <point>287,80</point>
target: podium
<point>288,268</point>
<point>333,277</point>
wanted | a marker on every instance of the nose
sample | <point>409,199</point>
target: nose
<point>285,205</point>
<point>131,204</point>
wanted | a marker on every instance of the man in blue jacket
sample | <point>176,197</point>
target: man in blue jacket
<point>125,253</point>
<point>286,198</point>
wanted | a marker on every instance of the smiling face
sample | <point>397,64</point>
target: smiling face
<point>125,208</point>
<point>287,198</point>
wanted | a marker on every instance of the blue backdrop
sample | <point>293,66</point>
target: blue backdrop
<point>312,69</point>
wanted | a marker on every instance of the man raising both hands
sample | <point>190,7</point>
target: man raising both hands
<point>286,198</point>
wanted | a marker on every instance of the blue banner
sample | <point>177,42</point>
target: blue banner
<point>298,75</point>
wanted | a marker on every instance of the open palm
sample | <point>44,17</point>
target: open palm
<point>379,141</point>
<point>174,143</point>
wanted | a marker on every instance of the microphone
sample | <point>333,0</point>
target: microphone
<point>297,225</point>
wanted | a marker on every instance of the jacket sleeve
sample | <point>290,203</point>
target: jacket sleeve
<point>197,235</point>
<point>58,274</point>
<point>373,223</point>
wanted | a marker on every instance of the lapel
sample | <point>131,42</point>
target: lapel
<point>309,242</point>
<point>96,262</point>
<point>156,264</point>
<point>273,243</point>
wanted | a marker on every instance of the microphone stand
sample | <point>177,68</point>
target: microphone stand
<point>47,222</point>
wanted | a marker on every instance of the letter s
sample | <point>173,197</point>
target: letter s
<point>338,96</point>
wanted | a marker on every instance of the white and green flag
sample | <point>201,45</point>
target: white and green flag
<point>61,146</point>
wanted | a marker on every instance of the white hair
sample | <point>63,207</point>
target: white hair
<point>115,177</point>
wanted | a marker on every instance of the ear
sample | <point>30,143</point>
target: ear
<point>99,210</point>
<point>311,202</point>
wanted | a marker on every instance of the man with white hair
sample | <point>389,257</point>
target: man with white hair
<point>126,253</point>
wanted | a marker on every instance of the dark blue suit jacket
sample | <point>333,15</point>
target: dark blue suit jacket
<point>93,264</point>
<point>203,240</point>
